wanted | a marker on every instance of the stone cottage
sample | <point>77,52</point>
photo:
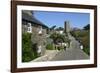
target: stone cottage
<point>38,30</point>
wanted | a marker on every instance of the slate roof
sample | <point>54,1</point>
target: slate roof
<point>31,19</point>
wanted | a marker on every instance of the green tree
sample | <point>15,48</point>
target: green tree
<point>53,27</point>
<point>87,27</point>
<point>57,37</point>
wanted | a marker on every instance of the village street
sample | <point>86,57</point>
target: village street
<point>43,43</point>
<point>72,53</point>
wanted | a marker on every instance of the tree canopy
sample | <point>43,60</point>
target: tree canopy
<point>87,27</point>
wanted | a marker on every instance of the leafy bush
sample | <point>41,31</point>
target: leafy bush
<point>83,36</point>
<point>86,43</point>
<point>60,48</point>
<point>27,53</point>
<point>26,47</point>
<point>49,46</point>
<point>87,50</point>
<point>58,37</point>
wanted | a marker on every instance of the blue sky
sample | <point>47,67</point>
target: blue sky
<point>57,18</point>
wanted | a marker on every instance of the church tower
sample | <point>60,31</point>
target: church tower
<point>67,26</point>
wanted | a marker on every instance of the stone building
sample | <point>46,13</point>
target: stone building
<point>38,30</point>
<point>67,26</point>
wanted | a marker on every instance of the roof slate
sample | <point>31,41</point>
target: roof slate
<point>31,19</point>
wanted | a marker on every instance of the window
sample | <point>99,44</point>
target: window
<point>29,28</point>
<point>29,25</point>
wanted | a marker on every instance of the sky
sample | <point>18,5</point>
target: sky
<point>50,19</point>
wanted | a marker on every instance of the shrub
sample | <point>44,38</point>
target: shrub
<point>49,46</point>
<point>26,47</point>
<point>60,48</point>
<point>87,50</point>
<point>83,36</point>
<point>27,53</point>
<point>58,38</point>
<point>86,43</point>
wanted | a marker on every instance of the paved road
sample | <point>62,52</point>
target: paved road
<point>74,44</point>
<point>49,54</point>
<point>72,53</point>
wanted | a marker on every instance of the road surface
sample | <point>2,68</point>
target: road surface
<point>72,53</point>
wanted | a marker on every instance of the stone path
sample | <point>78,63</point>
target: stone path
<point>49,54</point>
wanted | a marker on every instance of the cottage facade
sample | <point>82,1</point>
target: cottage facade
<point>38,30</point>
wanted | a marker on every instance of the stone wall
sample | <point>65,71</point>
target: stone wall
<point>36,38</point>
<point>40,39</point>
<point>24,26</point>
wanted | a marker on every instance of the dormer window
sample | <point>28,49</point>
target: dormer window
<point>29,28</point>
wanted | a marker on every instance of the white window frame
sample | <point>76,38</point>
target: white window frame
<point>29,28</point>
